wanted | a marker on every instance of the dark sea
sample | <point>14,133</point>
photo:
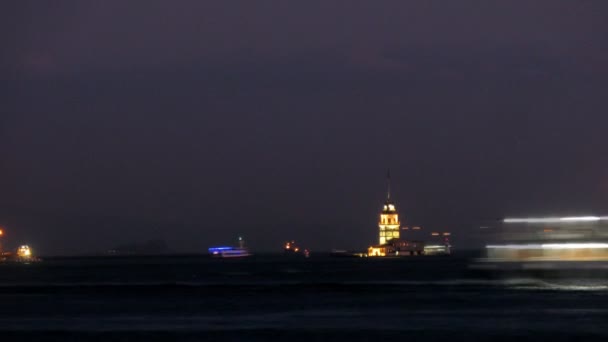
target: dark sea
<point>278,298</point>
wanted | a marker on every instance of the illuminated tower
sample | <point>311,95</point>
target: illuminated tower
<point>389,218</point>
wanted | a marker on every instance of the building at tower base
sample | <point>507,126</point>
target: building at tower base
<point>396,247</point>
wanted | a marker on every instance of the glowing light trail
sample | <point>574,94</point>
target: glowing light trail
<point>555,219</point>
<point>552,246</point>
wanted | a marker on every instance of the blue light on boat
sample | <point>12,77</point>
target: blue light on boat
<point>217,249</point>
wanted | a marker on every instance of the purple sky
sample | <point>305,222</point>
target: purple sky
<point>195,121</point>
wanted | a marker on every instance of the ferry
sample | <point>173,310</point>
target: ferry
<point>230,252</point>
<point>563,247</point>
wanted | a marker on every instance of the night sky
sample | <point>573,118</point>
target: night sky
<point>196,121</point>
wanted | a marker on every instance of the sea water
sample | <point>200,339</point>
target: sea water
<point>273,297</point>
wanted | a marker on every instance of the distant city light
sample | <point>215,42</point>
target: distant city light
<point>555,219</point>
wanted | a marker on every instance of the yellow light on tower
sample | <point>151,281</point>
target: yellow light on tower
<point>388,225</point>
<point>1,232</point>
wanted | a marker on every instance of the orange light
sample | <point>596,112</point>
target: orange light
<point>435,234</point>
<point>416,228</point>
<point>548,230</point>
<point>1,232</point>
<point>447,234</point>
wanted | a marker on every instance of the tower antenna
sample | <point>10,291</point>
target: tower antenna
<point>388,184</point>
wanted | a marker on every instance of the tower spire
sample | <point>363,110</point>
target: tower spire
<point>388,184</point>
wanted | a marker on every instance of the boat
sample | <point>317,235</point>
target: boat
<point>566,247</point>
<point>291,248</point>
<point>229,251</point>
<point>23,255</point>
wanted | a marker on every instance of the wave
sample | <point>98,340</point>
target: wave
<point>514,283</point>
<point>568,285</point>
<point>239,280</point>
<point>343,320</point>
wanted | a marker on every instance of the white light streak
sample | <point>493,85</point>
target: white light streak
<point>587,245</point>
<point>574,245</point>
<point>514,246</point>
<point>580,218</point>
<point>555,219</point>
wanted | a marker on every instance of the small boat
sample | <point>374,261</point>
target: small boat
<point>23,255</point>
<point>292,249</point>
<point>230,252</point>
